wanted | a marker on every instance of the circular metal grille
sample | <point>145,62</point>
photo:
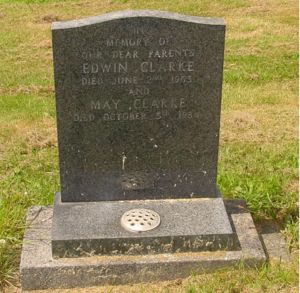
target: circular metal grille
<point>139,220</point>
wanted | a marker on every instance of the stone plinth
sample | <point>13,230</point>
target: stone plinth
<point>40,271</point>
<point>93,228</point>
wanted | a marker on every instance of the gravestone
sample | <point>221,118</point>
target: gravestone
<point>138,97</point>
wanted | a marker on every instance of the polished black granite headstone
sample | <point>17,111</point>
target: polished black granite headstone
<point>138,98</point>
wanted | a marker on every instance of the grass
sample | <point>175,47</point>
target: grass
<point>259,129</point>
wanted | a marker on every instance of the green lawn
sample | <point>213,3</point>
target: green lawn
<point>259,127</point>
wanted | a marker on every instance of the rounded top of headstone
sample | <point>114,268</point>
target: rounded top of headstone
<point>135,13</point>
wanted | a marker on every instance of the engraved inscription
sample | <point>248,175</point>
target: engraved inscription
<point>171,53</point>
<point>133,63</point>
<point>105,105</point>
<point>180,66</point>
<point>104,67</point>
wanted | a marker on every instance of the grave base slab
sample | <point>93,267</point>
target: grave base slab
<point>38,269</point>
<point>187,225</point>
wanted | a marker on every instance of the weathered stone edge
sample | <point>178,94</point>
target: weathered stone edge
<point>39,271</point>
<point>134,13</point>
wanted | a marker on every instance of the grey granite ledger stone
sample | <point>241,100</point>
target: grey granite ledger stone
<point>38,270</point>
<point>138,97</point>
<point>93,228</point>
